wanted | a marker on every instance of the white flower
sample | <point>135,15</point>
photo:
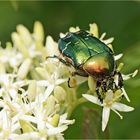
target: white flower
<point>131,75</point>
<point>106,41</point>
<point>27,80</point>
<point>51,47</point>
<point>52,79</point>
<point>21,112</point>
<point>62,125</point>
<point>109,103</point>
<point>9,87</point>
<point>47,121</point>
<point>11,57</point>
<point>52,71</point>
<point>125,77</point>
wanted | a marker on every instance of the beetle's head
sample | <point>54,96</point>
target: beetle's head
<point>100,66</point>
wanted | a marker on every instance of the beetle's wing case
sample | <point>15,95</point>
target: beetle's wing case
<point>81,48</point>
<point>73,47</point>
<point>94,44</point>
<point>101,61</point>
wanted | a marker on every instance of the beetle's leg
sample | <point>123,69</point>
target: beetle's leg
<point>59,58</point>
<point>98,84</point>
<point>120,80</point>
<point>104,86</point>
<point>111,84</point>
<point>69,83</point>
<point>80,73</point>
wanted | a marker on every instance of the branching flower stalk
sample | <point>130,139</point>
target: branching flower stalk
<point>35,100</point>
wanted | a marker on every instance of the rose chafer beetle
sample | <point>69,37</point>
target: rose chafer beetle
<point>90,56</point>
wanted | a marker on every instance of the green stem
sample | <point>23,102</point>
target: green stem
<point>75,104</point>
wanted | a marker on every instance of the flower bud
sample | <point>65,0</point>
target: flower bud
<point>59,94</point>
<point>24,68</point>
<point>25,35</point>
<point>18,43</point>
<point>92,84</point>
<point>32,89</point>
<point>26,126</point>
<point>55,120</point>
<point>38,32</point>
<point>94,30</point>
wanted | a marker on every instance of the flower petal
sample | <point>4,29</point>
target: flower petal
<point>63,119</point>
<point>125,94</point>
<point>51,45</point>
<point>5,119</point>
<point>74,29</point>
<point>122,107</point>
<point>94,30</point>
<point>29,118</point>
<point>60,137</point>
<point>135,73</point>
<point>105,117</point>
<point>43,83</point>
<point>121,117</point>
<point>57,130</point>
<point>48,91</point>
<point>13,93</point>
<point>128,76</point>
<point>117,57</point>
<point>60,81</point>
<point>102,36</point>
<point>62,35</point>
<point>26,136</point>
<point>108,41</point>
<point>92,99</point>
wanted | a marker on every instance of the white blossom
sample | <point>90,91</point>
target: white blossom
<point>109,103</point>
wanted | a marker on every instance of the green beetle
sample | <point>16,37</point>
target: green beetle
<point>89,56</point>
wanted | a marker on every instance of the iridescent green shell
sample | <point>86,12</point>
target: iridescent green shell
<point>87,54</point>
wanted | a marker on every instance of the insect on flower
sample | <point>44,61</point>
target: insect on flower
<point>90,57</point>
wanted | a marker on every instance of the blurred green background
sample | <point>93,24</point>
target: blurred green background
<point>119,19</point>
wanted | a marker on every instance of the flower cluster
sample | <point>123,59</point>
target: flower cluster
<point>35,100</point>
<point>32,89</point>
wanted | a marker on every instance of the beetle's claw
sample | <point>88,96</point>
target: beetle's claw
<point>98,93</point>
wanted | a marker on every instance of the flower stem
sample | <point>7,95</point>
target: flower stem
<point>75,104</point>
